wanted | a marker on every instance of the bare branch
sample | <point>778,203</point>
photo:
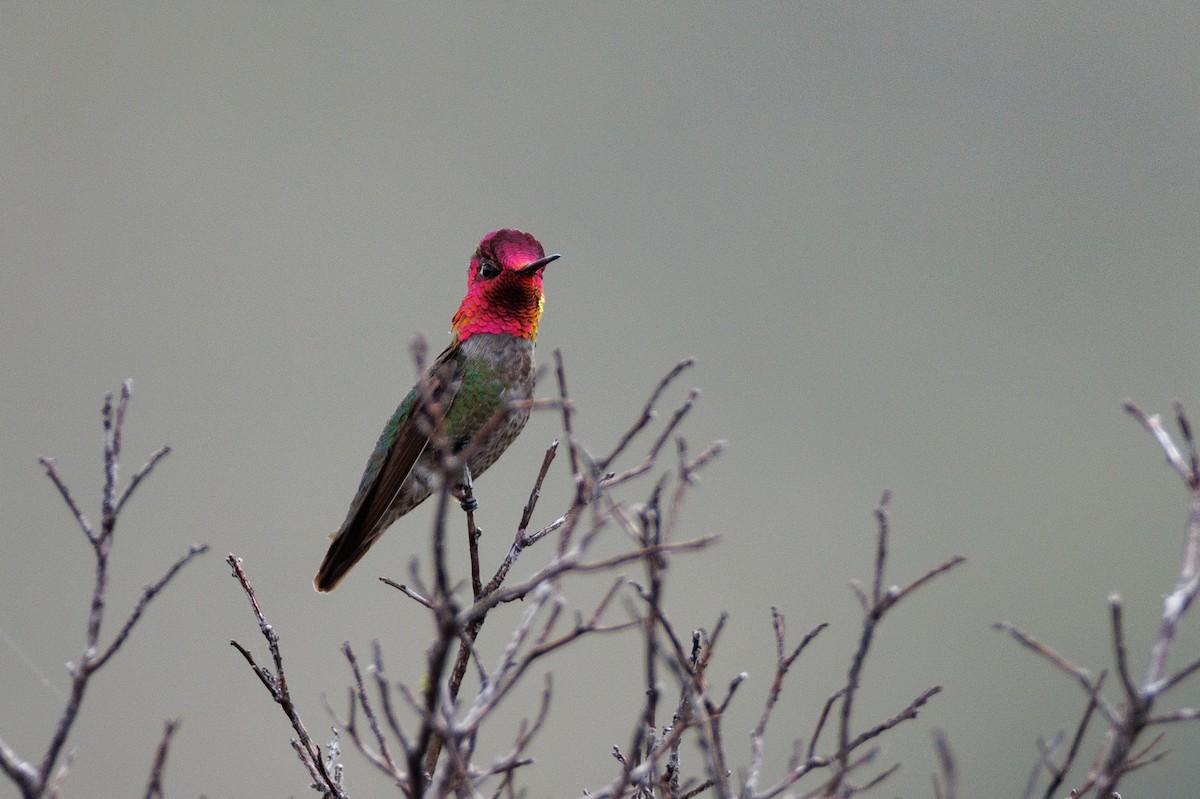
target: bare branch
<point>1059,773</point>
<point>875,605</point>
<point>1118,633</point>
<point>140,475</point>
<point>647,414</point>
<point>783,662</point>
<point>1153,423</point>
<point>45,779</point>
<point>383,760</point>
<point>154,789</point>
<point>1059,662</point>
<point>568,426</point>
<point>18,770</point>
<point>892,598</point>
<point>656,447</point>
<point>148,594</point>
<point>1126,723</point>
<point>1179,600</point>
<point>408,592</point>
<point>52,473</point>
<point>1178,677</point>
<point>1177,716</point>
<point>947,787</point>
<point>908,713</point>
<point>276,684</point>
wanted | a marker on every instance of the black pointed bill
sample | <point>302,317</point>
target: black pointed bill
<point>538,264</point>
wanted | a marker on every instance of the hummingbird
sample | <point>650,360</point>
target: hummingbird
<point>486,369</point>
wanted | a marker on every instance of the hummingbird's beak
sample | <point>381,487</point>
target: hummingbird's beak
<point>538,264</point>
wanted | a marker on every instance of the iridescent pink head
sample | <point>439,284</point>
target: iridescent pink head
<point>504,287</point>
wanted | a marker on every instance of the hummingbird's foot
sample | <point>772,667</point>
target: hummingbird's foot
<point>465,492</point>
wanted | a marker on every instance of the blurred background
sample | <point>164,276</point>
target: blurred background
<point>923,247</point>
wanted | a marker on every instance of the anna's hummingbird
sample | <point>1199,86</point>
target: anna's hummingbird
<point>487,367</point>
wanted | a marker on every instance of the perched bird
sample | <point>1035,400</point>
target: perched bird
<point>487,366</point>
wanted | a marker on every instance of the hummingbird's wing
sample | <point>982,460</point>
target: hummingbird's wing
<point>403,441</point>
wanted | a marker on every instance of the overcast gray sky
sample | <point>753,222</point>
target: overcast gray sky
<point>920,247</point>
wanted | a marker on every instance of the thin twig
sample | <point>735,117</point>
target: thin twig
<point>783,662</point>
<point>276,684</point>
<point>154,789</point>
<point>140,475</point>
<point>568,425</point>
<point>947,787</point>
<point>148,594</point>
<point>1118,634</point>
<point>612,481</point>
<point>1062,664</point>
<point>1059,773</point>
<point>647,413</point>
<point>1153,423</point>
<point>52,473</point>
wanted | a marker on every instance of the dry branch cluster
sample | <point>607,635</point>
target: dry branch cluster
<point>1127,721</point>
<point>41,779</point>
<point>423,733</point>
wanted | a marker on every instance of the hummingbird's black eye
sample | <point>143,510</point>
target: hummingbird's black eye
<point>488,270</point>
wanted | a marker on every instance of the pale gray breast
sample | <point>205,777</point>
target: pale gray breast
<point>512,357</point>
